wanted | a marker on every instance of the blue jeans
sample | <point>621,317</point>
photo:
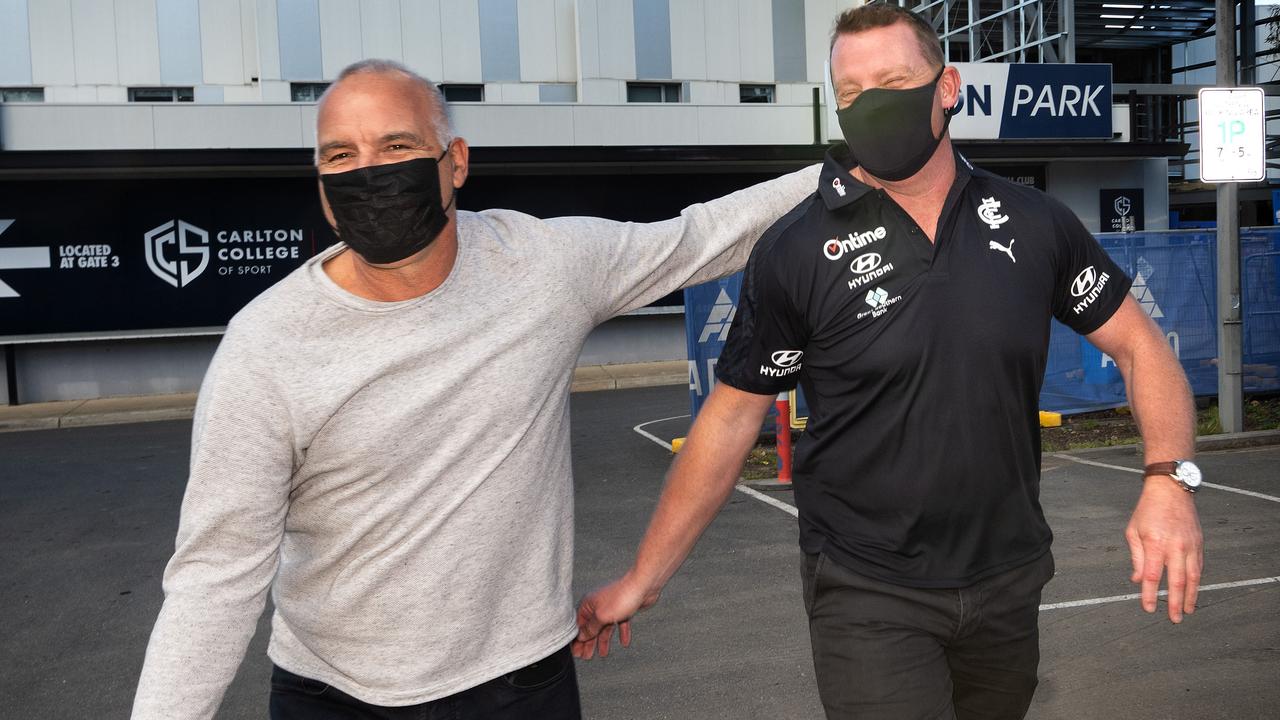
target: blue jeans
<point>547,689</point>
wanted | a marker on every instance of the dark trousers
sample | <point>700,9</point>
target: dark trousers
<point>882,651</point>
<point>546,689</point>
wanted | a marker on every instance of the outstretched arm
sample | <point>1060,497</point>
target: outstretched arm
<point>698,484</point>
<point>1164,531</point>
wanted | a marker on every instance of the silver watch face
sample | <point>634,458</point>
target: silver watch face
<point>1188,473</point>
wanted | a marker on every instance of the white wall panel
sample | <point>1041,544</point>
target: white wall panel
<point>420,37</point>
<point>602,91</point>
<point>275,91</point>
<point>52,49</point>
<point>819,18</point>
<point>724,61</point>
<point>221,42</point>
<point>588,39</point>
<point>688,40</point>
<point>380,29</point>
<point>460,41</point>
<point>92,127</point>
<point>339,35</point>
<point>615,28</point>
<point>623,125</point>
<point>755,44</point>
<point>137,42</point>
<point>754,125</point>
<point>227,126</point>
<point>566,41</point>
<point>538,51</point>
<point>268,35</point>
<point>248,41</point>
<point>705,93</point>
<point>93,25</point>
<point>511,92</point>
<point>112,94</point>
<point>242,94</point>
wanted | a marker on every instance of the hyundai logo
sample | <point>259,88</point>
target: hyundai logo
<point>1084,282</point>
<point>787,358</point>
<point>865,263</point>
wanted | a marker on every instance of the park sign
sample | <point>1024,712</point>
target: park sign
<point>1025,101</point>
<point>1233,146</point>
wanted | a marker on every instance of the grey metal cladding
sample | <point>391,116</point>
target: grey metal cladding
<point>652,39</point>
<point>499,41</point>
<point>178,26</point>
<point>299,30</point>
<point>788,41</point>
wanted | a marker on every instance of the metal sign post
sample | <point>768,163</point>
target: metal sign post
<point>1225,150</point>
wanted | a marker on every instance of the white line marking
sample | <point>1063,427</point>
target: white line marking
<point>653,437</point>
<point>789,509</point>
<point>1162,593</point>
<point>1215,486</point>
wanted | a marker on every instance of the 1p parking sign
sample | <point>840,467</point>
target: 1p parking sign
<point>1232,134</point>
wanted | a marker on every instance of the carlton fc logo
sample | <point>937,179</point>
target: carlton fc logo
<point>177,252</point>
<point>989,213</point>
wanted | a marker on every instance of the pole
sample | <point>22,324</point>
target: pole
<point>1230,388</point>
<point>783,430</point>
<point>11,374</point>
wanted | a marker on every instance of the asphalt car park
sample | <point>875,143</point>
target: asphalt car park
<point>88,516</point>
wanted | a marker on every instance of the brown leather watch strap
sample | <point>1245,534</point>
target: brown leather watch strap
<point>1161,468</point>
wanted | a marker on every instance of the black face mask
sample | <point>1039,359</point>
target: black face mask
<point>388,212</point>
<point>890,132</point>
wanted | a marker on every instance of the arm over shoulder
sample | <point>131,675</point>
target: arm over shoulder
<point>618,267</point>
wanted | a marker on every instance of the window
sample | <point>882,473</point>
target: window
<point>307,92</point>
<point>162,94</point>
<point>642,92</point>
<point>21,95</point>
<point>463,93</point>
<point>756,93</point>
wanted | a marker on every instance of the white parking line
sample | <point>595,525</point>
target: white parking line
<point>784,507</point>
<point>1215,486</point>
<point>1162,593</point>
<point>653,437</point>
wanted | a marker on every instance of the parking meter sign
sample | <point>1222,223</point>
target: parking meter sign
<point>1232,135</point>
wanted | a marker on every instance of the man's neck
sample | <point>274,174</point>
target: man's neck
<point>922,195</point>
<point>418,275</point>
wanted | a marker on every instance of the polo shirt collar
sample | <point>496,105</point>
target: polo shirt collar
<point>838,187</point>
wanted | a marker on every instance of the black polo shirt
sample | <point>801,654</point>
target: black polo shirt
<point>921,363</point>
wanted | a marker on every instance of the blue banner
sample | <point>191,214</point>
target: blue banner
<point>1174,280</point>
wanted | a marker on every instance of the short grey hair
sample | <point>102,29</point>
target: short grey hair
<point>439,112</point>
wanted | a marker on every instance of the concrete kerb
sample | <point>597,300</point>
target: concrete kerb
<point>152,408</point>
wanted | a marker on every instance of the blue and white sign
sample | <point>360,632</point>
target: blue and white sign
<point>1004,101</point>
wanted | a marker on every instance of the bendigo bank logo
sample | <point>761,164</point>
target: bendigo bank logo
<point>177,252</point>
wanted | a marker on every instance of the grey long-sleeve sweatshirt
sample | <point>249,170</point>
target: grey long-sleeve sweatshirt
<point>398,474</point>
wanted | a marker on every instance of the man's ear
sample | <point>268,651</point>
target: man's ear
<point>460,154</point>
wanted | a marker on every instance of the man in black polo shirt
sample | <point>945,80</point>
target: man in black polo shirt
<point>911,298</point>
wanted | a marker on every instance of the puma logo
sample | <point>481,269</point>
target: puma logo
<point>993,245</point>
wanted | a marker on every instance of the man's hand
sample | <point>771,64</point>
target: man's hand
<point>1165,532</point>
<point>602,610</point>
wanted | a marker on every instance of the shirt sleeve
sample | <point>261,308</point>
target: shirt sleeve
<point>1089,286</point>
<point>617,267</point>
<point>229,535</point>
<point>765,349</point>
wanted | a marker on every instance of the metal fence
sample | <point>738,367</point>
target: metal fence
<point>1174,279</point>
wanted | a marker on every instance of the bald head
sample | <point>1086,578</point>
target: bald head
<point>405,85</point>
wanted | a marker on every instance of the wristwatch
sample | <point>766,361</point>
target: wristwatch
<point>1183,472</point>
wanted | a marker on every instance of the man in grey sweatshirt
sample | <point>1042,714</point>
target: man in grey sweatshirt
<point>382,439</point>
